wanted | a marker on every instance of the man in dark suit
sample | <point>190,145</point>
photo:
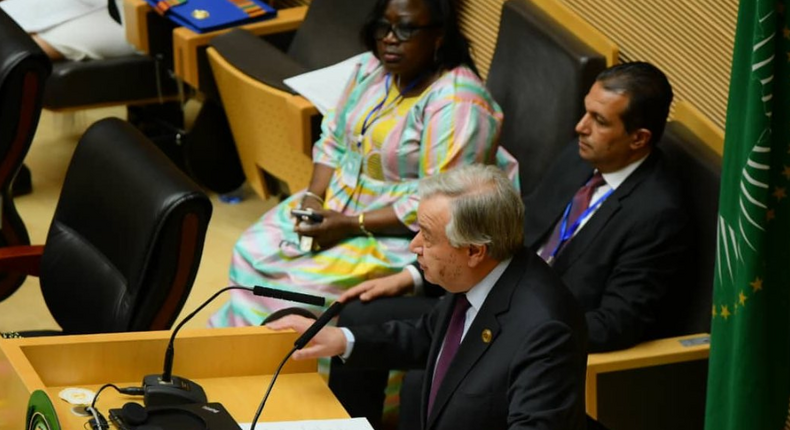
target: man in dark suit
<point>622,256</point>
<point>506,347</point>
<point>627,251</point>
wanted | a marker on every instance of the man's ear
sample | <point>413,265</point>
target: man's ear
<point>477,253</point>
<point>641,139</point>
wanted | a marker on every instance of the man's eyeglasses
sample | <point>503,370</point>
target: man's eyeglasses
<point>402,32</point>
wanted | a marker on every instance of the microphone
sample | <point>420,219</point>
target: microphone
<point>167,389</point>
<point>289,295</point>
<point>299,343</point>
<point>311,331</point>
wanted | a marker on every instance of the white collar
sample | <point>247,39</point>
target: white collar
<point>615,179</point>
<point>478,293</point>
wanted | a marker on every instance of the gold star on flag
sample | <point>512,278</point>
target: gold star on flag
<point>770,214</point>
<point>725,312</point>
<point>757,284</point>
<point>742,298</point>
<point>780,193</point>
<point>713,312</point>
<point>786,172</point>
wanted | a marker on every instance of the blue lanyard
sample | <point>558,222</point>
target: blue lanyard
<point>567,233</point>
<point>379,105</point>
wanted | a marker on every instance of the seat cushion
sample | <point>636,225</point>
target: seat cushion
<point>105,82</point>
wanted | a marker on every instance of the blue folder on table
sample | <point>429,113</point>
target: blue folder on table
<point>203,16</point>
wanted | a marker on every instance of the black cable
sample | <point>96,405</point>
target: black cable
<point>96,397</point>
<point>170,352</point>
<point>271,385</point>
<point>131,391</point>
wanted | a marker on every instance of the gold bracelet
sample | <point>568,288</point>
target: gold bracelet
<point>362,228</point>
<point>313,195</point>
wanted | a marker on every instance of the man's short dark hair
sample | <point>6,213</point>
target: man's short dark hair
<point>649,93</point>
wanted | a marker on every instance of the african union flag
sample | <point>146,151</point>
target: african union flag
<point>749,380</point>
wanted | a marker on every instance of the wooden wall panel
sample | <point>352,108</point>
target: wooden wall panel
<point>691,40</point>
<point>480,22</point>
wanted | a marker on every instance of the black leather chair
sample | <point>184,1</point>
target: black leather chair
<point>699,170</point>
<point>539,75</point>
<point>131,80</point>
<point>23,71</point>
<point>668,391</point>
<point>126,239</point>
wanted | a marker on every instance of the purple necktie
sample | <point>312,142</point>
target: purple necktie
<point>452,339</point>
<point>581,201</point>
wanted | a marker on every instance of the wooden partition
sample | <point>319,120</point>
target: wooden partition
<point>234,366</point>
<point>480,23</point>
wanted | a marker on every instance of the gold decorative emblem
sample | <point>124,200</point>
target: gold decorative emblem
<point>487,336</point>
<point>200,14</point>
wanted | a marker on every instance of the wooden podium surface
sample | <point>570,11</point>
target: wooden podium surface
<point>234,367</point>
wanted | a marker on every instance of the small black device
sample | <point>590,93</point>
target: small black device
<point>307,215</point>
<point>206,416</point>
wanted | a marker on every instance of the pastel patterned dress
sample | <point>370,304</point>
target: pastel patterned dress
<point>451,123</point>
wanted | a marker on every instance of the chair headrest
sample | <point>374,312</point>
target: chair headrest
<point>698,168</point>
<point>539,76</point>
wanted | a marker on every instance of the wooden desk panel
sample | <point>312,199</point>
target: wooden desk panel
<point>135,12</point>
<point>234,366</point>
<point>647,354</point>
<point>186,43</point>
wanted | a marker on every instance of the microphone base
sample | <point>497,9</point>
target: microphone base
<point>179,391</point>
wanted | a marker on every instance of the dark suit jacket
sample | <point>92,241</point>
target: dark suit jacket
<point>530,375</point>
<point>631,250</point>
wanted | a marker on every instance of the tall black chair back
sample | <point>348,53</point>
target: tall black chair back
<point>126,239</point>
<point>539,75</point>
<point>23,70</point>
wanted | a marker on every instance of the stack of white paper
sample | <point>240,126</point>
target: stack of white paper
<point>323,87</point>
<point>38,15</point>
<point>344,424</point>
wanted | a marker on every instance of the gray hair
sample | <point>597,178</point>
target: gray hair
<point>485,208</point>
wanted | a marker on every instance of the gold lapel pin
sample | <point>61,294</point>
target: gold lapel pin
<point>200,14</point>
<point>487,336</point>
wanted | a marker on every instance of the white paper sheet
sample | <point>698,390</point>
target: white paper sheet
<point>344,424</point>
<point>38,15</point>
<point>323,87</point>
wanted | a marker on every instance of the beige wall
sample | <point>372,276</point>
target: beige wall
<point>691,40</point>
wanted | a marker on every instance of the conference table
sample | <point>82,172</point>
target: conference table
<point>233,365</point>
<point>189,47</point>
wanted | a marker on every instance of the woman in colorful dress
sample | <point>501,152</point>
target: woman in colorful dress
<point>414,107</point>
